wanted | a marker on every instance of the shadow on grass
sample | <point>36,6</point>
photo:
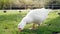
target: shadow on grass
<point>55,25</point>
<point>27,31</point>
<point>52,27</point>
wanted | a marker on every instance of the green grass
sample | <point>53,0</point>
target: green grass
<point>10,20</point>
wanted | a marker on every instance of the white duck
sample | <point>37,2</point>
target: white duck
<point>36,16</point>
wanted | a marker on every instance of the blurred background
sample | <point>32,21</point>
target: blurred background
<point>32,4</point>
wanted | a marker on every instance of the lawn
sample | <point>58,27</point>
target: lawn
<point>10,20</point>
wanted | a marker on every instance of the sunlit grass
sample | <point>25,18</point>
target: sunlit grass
<point>10,20</point>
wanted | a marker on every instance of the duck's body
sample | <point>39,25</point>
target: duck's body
<point>34,16</point>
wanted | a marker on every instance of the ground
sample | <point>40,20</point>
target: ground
<point>10,20</point>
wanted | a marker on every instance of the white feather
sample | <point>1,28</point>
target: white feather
<point>36,16</point>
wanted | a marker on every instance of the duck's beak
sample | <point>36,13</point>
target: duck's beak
<point>19,29</point>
